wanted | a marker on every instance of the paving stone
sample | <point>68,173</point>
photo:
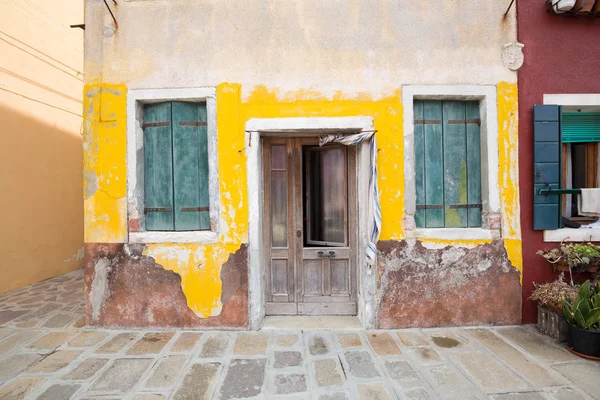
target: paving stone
<point>215,346</point>
<point>86,369</point>
<point>15,364</point>
<point>199,382</point>
<point>567,394</point>
<point>427,355</point>
<point>116,343</point>
<point>417,394</point>
<point>251,344</point>
<point>412,339</point>
<point>122,375</point>
<point>9,315</point>
<point>333,396</point>
<point>51,340</point>
<point>536,345</point>
<point>283,359</point>
<point>383,344</point>
<point>580,373</point>
<point>55,361</point>
<point>16,340</point>
<point>245,378</point>
<point>186,341</point>
<point>317,345</point>
<point>286,340</point>
<point>28,324</point>
<point>291,383</point>
<point>89,338</point>
<point>151,343</point>
<point>6,332</point>
<point>166,372</point>
<point>372,392</point>
<point>58,321</point>
<point>327,372</point>
<point>348,340</point>
<point>517,360</point>
<point>59,391</point>
<point>400,371</point>
<point>489,372</point>
<point>470,393</point>
<point>519,396</point>
<point>361,364</point>
<point>19,387</point>
<point>443,376</point>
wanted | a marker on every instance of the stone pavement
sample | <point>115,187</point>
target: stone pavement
<point>47,353</point>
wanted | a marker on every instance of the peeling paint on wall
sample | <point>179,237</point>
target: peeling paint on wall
<point>200,266</point>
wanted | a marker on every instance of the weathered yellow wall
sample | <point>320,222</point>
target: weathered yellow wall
<point>199,265</point>
<point>41,213</point>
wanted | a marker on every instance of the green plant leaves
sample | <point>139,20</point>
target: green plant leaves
<point>592,318</point>
<point>568,311</point>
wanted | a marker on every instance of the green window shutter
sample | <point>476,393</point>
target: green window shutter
<point>580,127</point>
<point>434,164</point>
<point>473,163</point>
<point>546,166</point>
<point>419,143</point>
<point>158,167</point>
<point>190,161</point>
<point>447,164</point>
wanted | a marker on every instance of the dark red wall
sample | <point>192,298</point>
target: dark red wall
<point>562,55</point>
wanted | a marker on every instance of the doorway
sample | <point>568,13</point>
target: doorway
<point>310,230</point>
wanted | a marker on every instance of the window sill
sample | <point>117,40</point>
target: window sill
<point>572,235</point>
<point>200,237</point>
<point>453,234</point>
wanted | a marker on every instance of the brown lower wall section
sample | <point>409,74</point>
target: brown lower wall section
<point>452,286</point>
<point>125,288</point>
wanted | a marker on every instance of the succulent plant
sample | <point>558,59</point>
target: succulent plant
<point>579,256</point>
<point>584,311</point>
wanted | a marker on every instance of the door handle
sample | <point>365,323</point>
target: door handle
<point>330,254</point>
<point>299,233</point>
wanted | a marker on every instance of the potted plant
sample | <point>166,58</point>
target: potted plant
<point>550,297</point>
<point>583,317</point>
<point>574,257</point>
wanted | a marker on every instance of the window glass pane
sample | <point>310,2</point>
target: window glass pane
<point>328,197</point>
<point>278,196</point>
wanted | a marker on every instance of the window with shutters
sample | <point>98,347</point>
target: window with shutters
<point>172,166</point>
<point>447,154</point>
<point>566,159</point>
<point>176,167</point>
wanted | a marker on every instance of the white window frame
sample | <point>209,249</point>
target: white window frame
<point>136,99</point>
<point>572,234</point>
<point>490,193</point>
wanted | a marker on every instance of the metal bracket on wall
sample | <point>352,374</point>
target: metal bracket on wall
<point>111,13</point>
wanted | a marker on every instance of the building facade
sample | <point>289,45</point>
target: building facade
<point>209,202</point>
<point>41,80</point>
<point>554,80</point>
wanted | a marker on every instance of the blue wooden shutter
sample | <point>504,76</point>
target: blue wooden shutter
<point>546,166</point>
<point>580,127</point>
<point>419,164</point>
<point>158,167</point>
<point>190,159</point>
<point>434,164</point>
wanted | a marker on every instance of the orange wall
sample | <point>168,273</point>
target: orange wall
<point>41,213</point>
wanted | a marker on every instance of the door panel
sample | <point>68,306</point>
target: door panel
<point>310,227</point>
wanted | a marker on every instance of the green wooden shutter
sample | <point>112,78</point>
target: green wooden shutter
<point>190,158</point>
<point>419,144</point>
<point>158,167</point>
<point>473,124</point>
<point>546,166</point>
<point>434,164</point>
<point>455,165</point>
<point>580,127</point>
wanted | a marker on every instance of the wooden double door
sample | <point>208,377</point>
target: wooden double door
<point>310,227</point>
